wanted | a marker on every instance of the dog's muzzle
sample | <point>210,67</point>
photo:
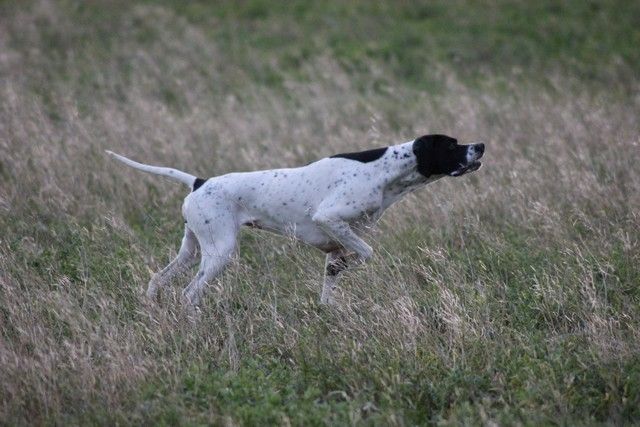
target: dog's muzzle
<point>472,163</point>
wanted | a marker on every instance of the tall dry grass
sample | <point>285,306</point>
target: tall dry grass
<point>542,242</point>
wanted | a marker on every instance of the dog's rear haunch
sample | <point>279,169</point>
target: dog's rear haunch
<point>324,204</point>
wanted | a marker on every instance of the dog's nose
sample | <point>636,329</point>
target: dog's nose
<point>480,148</point>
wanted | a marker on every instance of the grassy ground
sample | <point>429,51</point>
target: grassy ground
<point>508,296</point>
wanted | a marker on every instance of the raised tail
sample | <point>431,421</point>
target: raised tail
<point>191,180</point>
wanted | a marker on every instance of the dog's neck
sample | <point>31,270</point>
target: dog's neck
<point>401,167</point>
<point>399,162</point>
<point>404,177</point>
<point>410,181</point>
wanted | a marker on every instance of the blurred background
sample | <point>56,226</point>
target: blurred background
<point>508,296</point>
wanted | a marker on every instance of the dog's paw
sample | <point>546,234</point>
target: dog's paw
<point>327,297</point>
<point>190,297</point>
<point>364,254</point>
<point>192,313</point>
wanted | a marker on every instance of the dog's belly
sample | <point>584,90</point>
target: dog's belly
<point>304,230</point>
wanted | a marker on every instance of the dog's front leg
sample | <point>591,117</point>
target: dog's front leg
<point>336,262</point>
<point>341,231</point>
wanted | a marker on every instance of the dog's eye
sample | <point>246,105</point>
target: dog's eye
<point>451,147</point>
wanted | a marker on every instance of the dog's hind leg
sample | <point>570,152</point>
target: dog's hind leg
<point>185,259</point>
<point>335,264</point>
<point>217,249</point>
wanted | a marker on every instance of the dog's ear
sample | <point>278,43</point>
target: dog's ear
<point>423,150</point>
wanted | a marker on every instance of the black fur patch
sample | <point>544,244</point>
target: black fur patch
<point>198,183</point>
<point>334,268</point>
<point>438,154</point>
<point>363,156</point>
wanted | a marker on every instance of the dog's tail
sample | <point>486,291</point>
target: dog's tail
<point>188,179</point>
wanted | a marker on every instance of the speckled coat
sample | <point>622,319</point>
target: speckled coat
<point>325,204</point>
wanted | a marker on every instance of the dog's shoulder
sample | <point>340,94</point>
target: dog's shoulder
<point>363,156</point>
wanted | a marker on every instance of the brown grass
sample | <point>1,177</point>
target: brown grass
<point>80,235</point>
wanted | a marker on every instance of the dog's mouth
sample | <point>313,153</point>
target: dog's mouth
<point>470,167</point>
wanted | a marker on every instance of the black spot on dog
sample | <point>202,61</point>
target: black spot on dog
<point>363,156</point>
<point>198,183</point>
<point>336,266</point>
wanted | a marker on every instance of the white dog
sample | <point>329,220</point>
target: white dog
<point>324,204</point>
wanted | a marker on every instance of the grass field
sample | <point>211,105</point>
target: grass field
<point>509,296</point>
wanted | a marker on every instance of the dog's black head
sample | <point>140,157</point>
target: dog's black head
<point>441,155</point>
